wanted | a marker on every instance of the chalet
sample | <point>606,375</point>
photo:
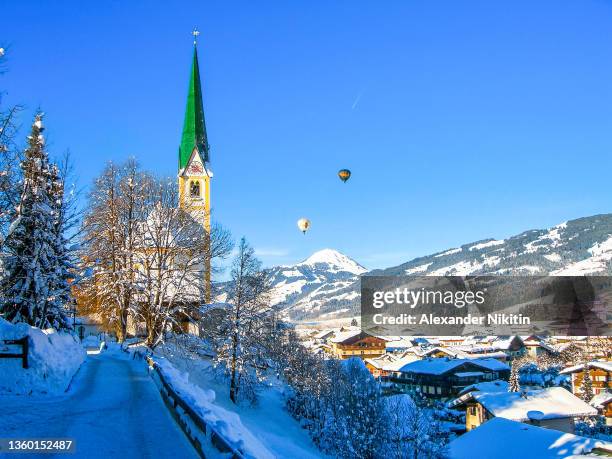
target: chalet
<point>323,336</point>
<point>384,366</point>
<point>512,346</point>
<point>602,402</point>
<point>554,407</point>
<point>356,343</point>
<point>398,345</point>
<point>379,366</point>
<point>446,377</point>
<point>535,346</point>
<point>600,372</point>
<point>506,439</point>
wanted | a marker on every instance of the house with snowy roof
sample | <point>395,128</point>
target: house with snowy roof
<point>502,438</point>
<point>385,365</point>
<point>553,407</point>
<point>446,377</point>
<point>536,346</point>
<point>600,372</point>
<point>602,402</point>
<point>356,343</point>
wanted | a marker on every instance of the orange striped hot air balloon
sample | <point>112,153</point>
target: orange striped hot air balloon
<point>344,174</point>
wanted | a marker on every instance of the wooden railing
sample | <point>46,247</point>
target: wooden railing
<point>201,435</point>
<point>24,343</point>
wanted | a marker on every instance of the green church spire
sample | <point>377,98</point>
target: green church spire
<point>194,127</point>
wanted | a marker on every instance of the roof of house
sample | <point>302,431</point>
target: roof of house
<point>550,403</point>
<point>487,386</point>
<point>403,342</point>
<point>382,361</point>
<point>323,333</point>
<point>602,399</point>
<point>439,366</point>
<point>601,364</point>
<point>505,439</point>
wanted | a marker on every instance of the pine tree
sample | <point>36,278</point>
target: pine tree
<point>29,252</point>
<point>586,389</point>
<point>514,385</point>
<point>60,295</point>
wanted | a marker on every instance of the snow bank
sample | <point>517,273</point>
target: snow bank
<point>53,360</point>
<point>224,422</point>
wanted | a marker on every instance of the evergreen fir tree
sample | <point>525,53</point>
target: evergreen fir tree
<point>60,298</point>
<point>586,389</point>
<point>29,258</point>
<point>514,384</point>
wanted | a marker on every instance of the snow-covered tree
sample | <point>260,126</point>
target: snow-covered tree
<point>10,156</point>
<point>363,411</point>
<point>114,210</point>
<point>63,277</point>
<point>29,256</point>
<point>238,342</point>
<point>586,387</point>
<point>411,430</point>
<point>172,260</point>
<point>515,385</point>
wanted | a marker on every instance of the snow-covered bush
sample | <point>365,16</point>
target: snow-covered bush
<point>53,360</point>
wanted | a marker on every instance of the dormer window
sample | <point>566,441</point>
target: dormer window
<point>194,189</point>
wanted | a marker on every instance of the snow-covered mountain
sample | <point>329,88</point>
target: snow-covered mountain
<point>301,290</point>
<point>326,285</point>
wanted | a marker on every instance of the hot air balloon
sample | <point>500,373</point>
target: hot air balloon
<point>303,224</point>
<point>344,174</point>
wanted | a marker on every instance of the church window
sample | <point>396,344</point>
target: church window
<point>194,189</point>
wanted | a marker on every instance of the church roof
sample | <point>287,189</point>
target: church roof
<point>194,127</point>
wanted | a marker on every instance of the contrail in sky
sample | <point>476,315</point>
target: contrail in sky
<point>357,99</point>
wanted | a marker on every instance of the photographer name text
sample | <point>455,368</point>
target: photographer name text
<point>469,319</point>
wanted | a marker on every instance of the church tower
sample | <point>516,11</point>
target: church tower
<point>194,172</point>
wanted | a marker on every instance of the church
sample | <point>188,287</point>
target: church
<point>170,271</point>
<point>194,172</point>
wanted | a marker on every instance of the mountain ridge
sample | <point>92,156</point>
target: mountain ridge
<point>326,284</point>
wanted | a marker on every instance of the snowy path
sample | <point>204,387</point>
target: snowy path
<point>114,410</point>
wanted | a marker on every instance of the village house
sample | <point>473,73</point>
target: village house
<point>446,377</point>
<point>384,366</point>
<point>602,402</point>
<point>600,372</point>
<point>553,408</point>
<point>506,439</point>
<point>356,343</point>
<point>535,346</point>
<point>398,344</point>
<point>511,346</point>
<point>322,336</point>
<point>379,366</point>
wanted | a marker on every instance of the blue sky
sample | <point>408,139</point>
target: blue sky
<point>460,120</point>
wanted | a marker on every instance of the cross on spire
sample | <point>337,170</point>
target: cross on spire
<point>195,34</point>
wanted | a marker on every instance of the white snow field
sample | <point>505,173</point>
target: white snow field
<point>112,410</point>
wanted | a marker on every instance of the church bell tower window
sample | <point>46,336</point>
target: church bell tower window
<point>194,189</point>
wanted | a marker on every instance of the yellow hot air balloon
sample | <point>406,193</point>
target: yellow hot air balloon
<point>344,174</point>
<point>303,224</point>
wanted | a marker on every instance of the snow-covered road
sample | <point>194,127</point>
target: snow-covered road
<point>113,410</point>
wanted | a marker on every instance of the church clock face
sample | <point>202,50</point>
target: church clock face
<point>195,168</point>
